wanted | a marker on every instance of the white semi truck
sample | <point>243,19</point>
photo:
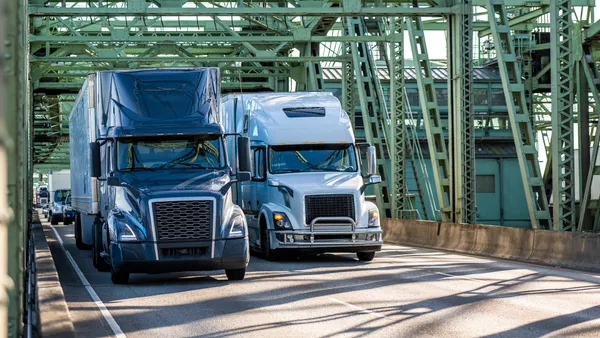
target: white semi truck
<point>307,187</point>
<point>59,186</point>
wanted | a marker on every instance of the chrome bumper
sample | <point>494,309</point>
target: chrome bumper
<point>306,238</point>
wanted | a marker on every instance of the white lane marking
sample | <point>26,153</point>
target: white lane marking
<point>455,276</point>
<point>109,318</point>
<point>363,310</point>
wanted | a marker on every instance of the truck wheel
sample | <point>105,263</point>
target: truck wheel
<point>366,256</point>
<point>265,244</point>
<point>99,262</point>
<point>235,274</point>
<point>67,222</point>
<point>53,220</point>
<point>78,235</point>
<point>120,276</point>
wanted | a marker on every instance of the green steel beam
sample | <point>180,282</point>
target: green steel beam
<point>401,207</point>
<point>371,110</point>
<point>514,22</point>
<point>461,124</point>
<point>198,38</point>
<point>563,164</point>
<point>592,76</point>
<point>521,126</point>
<point>5,148</point>
<point>431,118</point>
<point>354,9</point>
<point>165,59</point>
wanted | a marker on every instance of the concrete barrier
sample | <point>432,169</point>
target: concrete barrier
<point>409,232</point>
<point>567,249</point>
<point>504,242</point>
<point>456,237</point>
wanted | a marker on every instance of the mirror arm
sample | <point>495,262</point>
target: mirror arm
<point>227,185</point>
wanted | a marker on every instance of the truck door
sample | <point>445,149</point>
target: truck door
<point>253,192</point>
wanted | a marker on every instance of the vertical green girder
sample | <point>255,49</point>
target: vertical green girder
<point>592,76</point>
<point>431,117</point>
<point>462,135</point>
<point>563,164</point>
<point>16,167</point>
<point>4,211</point>
<point>371,109</point>
<point>400,201</point>
<point>520,123</point>
<point>348,83</point>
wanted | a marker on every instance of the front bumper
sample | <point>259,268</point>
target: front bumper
<point>150,257</point>
<point>316,240</point>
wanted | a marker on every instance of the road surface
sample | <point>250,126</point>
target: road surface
<point>404,292</point>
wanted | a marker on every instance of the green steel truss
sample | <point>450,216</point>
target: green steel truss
<point>521,125</point>
<point>373,112</point>
<point>462,128</point>
<point>563,163</point>
<point>431,117</point>
<point>400,201</point>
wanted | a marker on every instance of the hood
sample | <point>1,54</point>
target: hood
<point>148,182</point>
<point>319,182</point>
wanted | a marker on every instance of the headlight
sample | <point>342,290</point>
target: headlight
<point>281,221</point>
<point>238,227</point>
<point>55,209</point>
<point>373,218</point>
<point>125,233</point>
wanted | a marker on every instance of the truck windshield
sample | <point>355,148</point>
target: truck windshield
<point>61,195</point>
<point>317,157</point>
<point>172,153</point>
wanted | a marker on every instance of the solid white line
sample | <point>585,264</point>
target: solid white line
<point>109,318</point>
<point>372,313</point>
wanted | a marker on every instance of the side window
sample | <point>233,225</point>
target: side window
<point>258,164</point>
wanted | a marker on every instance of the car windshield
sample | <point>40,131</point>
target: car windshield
<point>204,152</point>
<point>310,158</point>
<point>61,195</point>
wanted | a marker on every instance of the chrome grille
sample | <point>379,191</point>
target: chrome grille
<point>329,206</point>
<point>183,220</point>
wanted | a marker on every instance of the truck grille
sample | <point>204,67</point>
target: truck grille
<point>329,206</point>
<point>183,220</point>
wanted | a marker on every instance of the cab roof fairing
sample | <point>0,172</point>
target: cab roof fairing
<point>270,124</point>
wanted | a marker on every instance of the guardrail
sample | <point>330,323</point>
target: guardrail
<point>567,249</point>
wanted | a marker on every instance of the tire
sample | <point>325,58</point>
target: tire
<point>99,262</point>
<point>67,222</point>
<point>121,276</point>
<point>78,234</point>
<point>366,256</point>
<point>53,220</point>
<point>235,274</point>
<point>265,244</point>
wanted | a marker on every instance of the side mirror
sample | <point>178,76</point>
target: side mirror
<point>95,168</point>
<point>371,161</point>
<point>244,164</point>
<point>375,179</point>
<point>113,181</point>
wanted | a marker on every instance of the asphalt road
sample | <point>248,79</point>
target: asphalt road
<point>404,292</point>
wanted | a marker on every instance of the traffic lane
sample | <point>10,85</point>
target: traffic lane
<point>405,290</point>
<point>76,296</point>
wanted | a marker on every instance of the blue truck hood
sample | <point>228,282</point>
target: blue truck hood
<point>150,182</point>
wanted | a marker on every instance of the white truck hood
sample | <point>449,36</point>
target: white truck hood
<point>321,182</point>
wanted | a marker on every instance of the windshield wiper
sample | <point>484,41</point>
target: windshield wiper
<point>141,169</point>
<point>195,165</point>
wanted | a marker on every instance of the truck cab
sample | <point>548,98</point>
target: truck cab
<point>306,192</point>
<point>59,201</point>
<point>156,195</point>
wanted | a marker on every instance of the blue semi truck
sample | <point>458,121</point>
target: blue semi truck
<point>150,179</point>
